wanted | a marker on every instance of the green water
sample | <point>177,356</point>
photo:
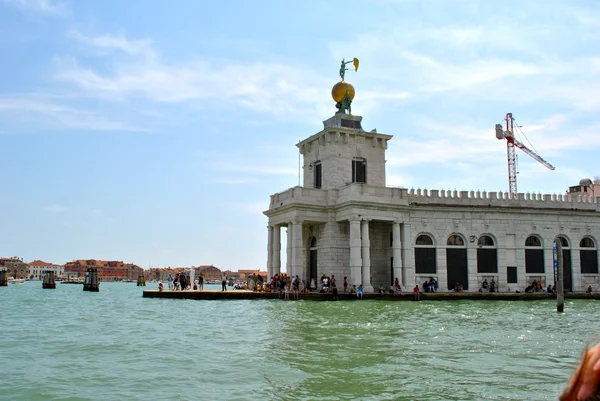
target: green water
<point>66,344</point>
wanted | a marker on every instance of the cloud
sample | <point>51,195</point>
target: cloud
<point>236,181</point>
<point>116,42</point>
<point>48,7</point>
<point>49,111</point>
<point>55,208</point>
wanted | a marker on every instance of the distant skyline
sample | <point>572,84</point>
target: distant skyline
<point>154,132</point>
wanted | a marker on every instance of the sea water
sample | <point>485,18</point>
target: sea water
<point>66,344</point>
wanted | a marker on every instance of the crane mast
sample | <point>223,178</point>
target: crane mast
<point>511,143</point>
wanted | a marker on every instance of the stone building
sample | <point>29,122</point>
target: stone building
<point>344,221</point>
<point>38,268</point>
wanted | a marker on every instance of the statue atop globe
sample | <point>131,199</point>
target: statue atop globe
<point>343,92</point>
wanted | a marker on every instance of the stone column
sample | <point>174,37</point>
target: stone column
<point>296,249</point>
<point>366,256</point>
<point>269,251</point>
<point>355,259</point>
<point>408,279</point>
<point>276,244</point>
<point>290,235</point>
<point>397,253</point>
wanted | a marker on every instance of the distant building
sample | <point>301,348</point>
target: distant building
<point>37,268</point>
<point>14,266</point>
<point>586,187</point>
<point>107,270</point>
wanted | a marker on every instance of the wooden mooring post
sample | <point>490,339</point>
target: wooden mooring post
<point>560,293</point>
<point>49,281</point>
<point>141,281</point>
<point>91,280</point>
<point>3,278</point>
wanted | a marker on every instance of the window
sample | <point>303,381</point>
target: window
<point>587,243</point>
<point>485,240</point>
<point>533,241</point>
<point>455,240</point>
<point>424,240</point>
<point>318,171</point>
<point>563,242</point>
<point>359,171</point>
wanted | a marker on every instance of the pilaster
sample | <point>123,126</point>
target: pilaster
<point>397,253</point>
<point>366,256</point>
<point>355,257</point>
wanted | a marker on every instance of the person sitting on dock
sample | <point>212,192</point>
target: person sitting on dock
<point>417,292</point>
<point>359,291</point>
<point>493,286</point>
<point>353,289</point>
<point>160,286</point>
<point>426,286</point>
<point>485,286</point>
<point>589,290</point>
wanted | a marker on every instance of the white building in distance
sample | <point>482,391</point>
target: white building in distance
<point>344,221</point>
<point>38,268</point>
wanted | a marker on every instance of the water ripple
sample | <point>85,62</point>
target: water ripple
<point>65,344</point>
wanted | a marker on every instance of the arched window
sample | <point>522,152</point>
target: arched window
<point>563,241</point>
<point>587,242</point>
<point>455,240</point>
<point>534,255</point>
<point>456,262</point>
<point>487,255</point>
<point>424,239</point>
<point>485,240</point>
<point>313,242</point>
<point>425,258</point>
<point>588,255</point>
<point>532,240</point>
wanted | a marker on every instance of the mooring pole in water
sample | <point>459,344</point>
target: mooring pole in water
<point>141,281</point>
<point>49,281</point>
<point>3,278</point>
<point>91,280</point>
<point>560,294</point>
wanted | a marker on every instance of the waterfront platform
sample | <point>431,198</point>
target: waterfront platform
<point>212,295</point>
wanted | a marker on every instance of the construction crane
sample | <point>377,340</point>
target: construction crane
<point>511,142</point>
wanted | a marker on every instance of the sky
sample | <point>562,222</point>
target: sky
<point>155,132</point>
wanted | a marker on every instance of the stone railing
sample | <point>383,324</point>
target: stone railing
<point>503,199</point>
<point>402,196</point>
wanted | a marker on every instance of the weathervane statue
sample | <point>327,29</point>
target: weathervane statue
<point>343,91</point>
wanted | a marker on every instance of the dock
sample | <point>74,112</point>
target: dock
<point>214,295</point>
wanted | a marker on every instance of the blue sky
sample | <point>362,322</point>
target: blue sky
<point>154,132</point>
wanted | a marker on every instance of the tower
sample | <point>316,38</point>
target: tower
<point>343,152</point>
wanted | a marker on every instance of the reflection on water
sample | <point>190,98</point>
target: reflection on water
<point>114,345</point>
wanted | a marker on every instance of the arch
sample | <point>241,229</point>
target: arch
<point>455,240</point>
<point>563,241</point>
<point>588,255</point>
<point>425,254</point>
<point>487,254</point>
<point>486,240</point>
<point>313,261</point>
<point>567,266</point>
<point>424,240</point>
<point>533,241</point>
<point>534,255</point>
<point>456,262</point>
<point>587,242</point>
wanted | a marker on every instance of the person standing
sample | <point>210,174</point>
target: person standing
<point>170,282</point>
<point>224,282</point>
<point>183,281</point>
<point>201,281</point>
<point>345,283</point>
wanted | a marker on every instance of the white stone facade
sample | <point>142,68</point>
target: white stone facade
<point>369,232</point>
